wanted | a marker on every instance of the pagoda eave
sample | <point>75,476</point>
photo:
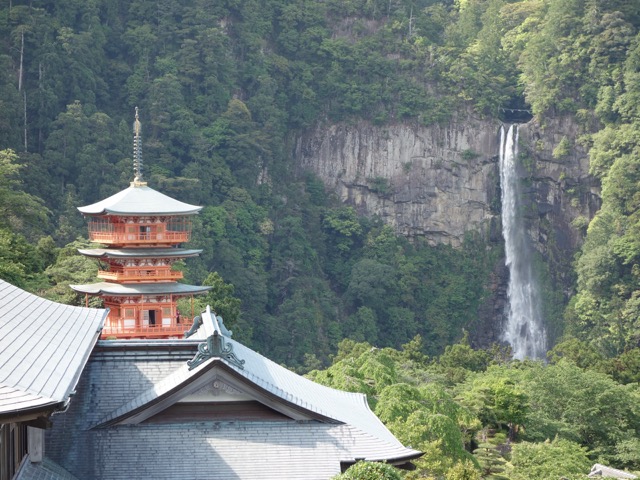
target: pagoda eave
<point>129,290</point>
<point>139,252</point>
<point>137,201</point>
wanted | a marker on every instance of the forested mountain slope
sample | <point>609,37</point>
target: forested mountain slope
<point>227,89</point>
<point>254,109</point>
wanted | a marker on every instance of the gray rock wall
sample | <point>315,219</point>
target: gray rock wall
<point>437,181</point>
<point>442,181</point>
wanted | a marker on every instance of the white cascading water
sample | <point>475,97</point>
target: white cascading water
<point>524,329</point>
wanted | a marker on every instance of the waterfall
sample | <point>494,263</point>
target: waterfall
<point>524,327</point>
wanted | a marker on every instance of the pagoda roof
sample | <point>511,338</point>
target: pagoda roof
<point>138,252</point>
<point>45,345</point>
<point>125,290</point>
<point>139,199</point>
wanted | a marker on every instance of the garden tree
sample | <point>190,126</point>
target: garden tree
<point>628,454</point>
<point>463,471</point>
<point>497,401</point>
<point>370,471</point>
<point>358,367</point>
<point>580,405</point>
<point>491,461</point>
<point>425,417</point>
<point>558,458</point>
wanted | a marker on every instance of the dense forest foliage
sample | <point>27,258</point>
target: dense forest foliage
<point>223,88</point>
<point>478,415</point>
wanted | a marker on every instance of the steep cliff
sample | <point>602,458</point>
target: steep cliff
<point>438,182</point>
<point>561,193</point>
<point>442,181</point>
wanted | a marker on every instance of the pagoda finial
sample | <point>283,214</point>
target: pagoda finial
<point>137,153</point>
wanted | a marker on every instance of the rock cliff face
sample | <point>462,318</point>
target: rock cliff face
<point>561,194</point>
<point>437,182</point>
<point>442,181</point>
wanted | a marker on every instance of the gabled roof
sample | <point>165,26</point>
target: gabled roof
<point>272,384</point>
<point>140,412</point>
<point>44,346</point>
<point>138,252</point>
<point>119,290</point>
<point>139,200</point>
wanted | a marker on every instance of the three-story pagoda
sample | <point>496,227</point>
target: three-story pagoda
<point>142,230</point>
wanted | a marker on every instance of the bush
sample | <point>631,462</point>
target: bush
<point>370,471</point>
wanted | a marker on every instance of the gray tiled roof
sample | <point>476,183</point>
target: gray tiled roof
<point>45,470</point>
<point>216,451</point>
<point>139,200</point>
<point>338,405</point>
<point>138,252</point>
<point>123,378</point>
<point>44,347</point>
<point>116,289</point>
<point>602,471</point>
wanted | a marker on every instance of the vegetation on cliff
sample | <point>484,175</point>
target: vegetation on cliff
<point>223,87</point>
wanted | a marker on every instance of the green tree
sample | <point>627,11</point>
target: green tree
<point>491,461</point>
<point>370,471</point>
<point>19,210</point>
<point>220,298</point>
<point>549,459</point>
<point>71,268</point>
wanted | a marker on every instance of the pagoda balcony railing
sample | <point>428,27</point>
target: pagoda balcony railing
<point>136,275</point>
<point>137,238</point>
<point>174,329</point>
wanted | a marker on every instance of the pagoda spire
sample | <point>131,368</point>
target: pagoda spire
<point>137,152</point>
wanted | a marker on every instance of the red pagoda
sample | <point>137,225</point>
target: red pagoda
<point>142,230</point>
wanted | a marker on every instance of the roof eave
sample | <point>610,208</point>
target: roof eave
<point>31,413</point>
<point>107,211</point>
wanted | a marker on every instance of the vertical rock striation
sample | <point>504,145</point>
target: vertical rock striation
<point>442,181</point>
<point>438,182</point>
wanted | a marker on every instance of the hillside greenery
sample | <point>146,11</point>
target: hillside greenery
<point>225,86</point>
<point>478,415</point>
